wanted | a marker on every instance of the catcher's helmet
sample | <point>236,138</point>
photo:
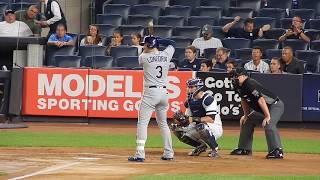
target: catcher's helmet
<point>196,82</point>
<point>150,41</point>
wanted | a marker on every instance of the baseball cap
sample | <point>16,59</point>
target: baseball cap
<point>207,29</point>
<point>8,11</point>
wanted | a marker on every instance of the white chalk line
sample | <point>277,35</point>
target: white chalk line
<point>46,170</point>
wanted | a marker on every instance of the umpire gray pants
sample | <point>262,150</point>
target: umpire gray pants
<point>271,131</point>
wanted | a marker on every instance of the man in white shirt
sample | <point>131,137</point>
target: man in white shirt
<point>206,41</point>
<point>257,64</point>
<point>13,28</point>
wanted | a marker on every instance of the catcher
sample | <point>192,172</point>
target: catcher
<point>200,125</point>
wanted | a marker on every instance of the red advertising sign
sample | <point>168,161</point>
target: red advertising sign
<point>93,93</point>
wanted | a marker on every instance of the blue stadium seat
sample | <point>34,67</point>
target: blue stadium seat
<point>284,4</point>
<point>243,12</point>
<point>183,11</point>
<point>218,70</point>
<point>1,17</point>
<point>67,61</point>
<point>313,34</point>
<point>188,31</point>
<point>27,1</point>
<point>274,33</point>
<point>171,20</point>
<point>128,62</point>
<point>106,29</point>
<point>253,4</point>
<point>244,54</point>
<point>217,32</point>
<point>126,40</point>
<point>266,44</point>
<point>5,1</point>
<point>191,3</point>
<point>121,9</point>
<point>303,13</point>
<point>212,11</point>
<point>295,44</point>
<point>112,19</point>
<point>161,3</point>
<point>141,20</point>
<point>314,24</point>
<point>120,51</point>
<point>260,21</point>
<point>276,13</point>
<point>52,51</point>
<point>200,21</point>
<point>310,4</point>
<point>163,31</point>
<point>127,2</point>
<point>224,4</point>
<point>209,53</point>
<point>225,20</point>
<point>270,53</point>
<point>85,51</point>
<point>236,43</point>
<point>99,62</point>
<point>21,6</point>
<point>129,29</point>
<point>286,23</point>
<point>146,9</point>
<point>179,54</point>
<point>315,45</point>
<point>311,57</point>
<point>182,41</point>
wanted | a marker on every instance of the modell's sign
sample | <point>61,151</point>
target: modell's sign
<point>92,93</point>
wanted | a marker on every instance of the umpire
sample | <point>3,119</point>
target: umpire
<point>259,106</point>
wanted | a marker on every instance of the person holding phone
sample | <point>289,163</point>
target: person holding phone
<point>296,31</point>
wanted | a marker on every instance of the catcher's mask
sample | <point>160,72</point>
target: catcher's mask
<point>150,41</point>
<point>234,74</point>
<point>197,83</point>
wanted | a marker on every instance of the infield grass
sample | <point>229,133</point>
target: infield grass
<point>43,139</point>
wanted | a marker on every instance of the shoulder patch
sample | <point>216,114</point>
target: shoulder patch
<point>208,100</point>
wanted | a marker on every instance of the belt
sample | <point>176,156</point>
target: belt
<point>161,87</point>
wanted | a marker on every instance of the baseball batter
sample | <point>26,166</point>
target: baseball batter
<point>201,125</point>
<point>155,66</point>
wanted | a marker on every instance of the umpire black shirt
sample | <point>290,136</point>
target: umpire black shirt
<point>294,67</point>
<point>241,33</point>
<point>251,91</point>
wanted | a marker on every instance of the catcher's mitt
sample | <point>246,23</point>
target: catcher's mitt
<point>180,118</point>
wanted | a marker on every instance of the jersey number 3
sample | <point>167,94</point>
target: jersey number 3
<point>160,71</point>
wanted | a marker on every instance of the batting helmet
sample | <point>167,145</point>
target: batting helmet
<point>150,41</point>
<point>195,82</point>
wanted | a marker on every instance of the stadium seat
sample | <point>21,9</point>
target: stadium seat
<point>303,13</point>
<point>67,61</point>
<point>127,2</point>
<point>21,6</point>
<point>243,12</point>
<point>94,50</point>
<point>121,9</point>
<point>188,31</point>
<point>236,43</point>
<point>182,41</point>
<point>27,1</point>
<point>295,44</point>
<point>191,3</point>
<point>276,13</point>
<point>314,24</point>
<point>6,1</point>
<point>99,62</point>
<point>200,21</point>
<point>286,23</point>
<point>313,34</point>
<point>161,3</point>
<point>270,53</point>
<point>311,57</point>
<point>146,9</point>
<point>52,51</point>
<point>1,17</point>
<point>284,4</point>
<point>266,44</point>
<point>106,29</point>
<point>315,45</point>
<point>217,32</point>
<point>171,20</point>
<point>126,40</point>
<point>274,33</point>
<point>218,70</point>
<point>128,62</point>
<point>310,4</point>
<point>244,54</point>
<point>163,31</point>
<point>112,19</point>
<point>120,51</point>
<point>224,4</point>
<point>179,54</point>
<point>258,22</point>
<point>225,20</point>
<point>209,53</point>
<point>253,4</point>
<point>129,29</point>
<point>141,20</point>
<point>212,11</point>
<point>183,11</point>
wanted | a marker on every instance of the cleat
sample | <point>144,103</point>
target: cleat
<point>213,154</point>
<point>198,150</point>
<point>240,151</point>
<point>166,158</point>
<point>135,159</point>
<point>275,154</point>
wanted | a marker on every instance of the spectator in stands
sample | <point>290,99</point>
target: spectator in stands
<point>60,38</point>
<point>135,41</point>
<point>231,64</point>
<point>205,65</point>
<point>190,60</point>
<point>296,31</point>
<point>247,31</point>
<point>289,63</point>
<point>93,37</point>
<point>29,16</point>
<point>206,41</point>
<point>54,16</point>
<point>117,40</point>
<point>221,58</point>
<point>257,64</point>
<point>275,66</point>
<point>13,28</point>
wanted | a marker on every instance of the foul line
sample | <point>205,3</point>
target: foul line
<point>47,170</point>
